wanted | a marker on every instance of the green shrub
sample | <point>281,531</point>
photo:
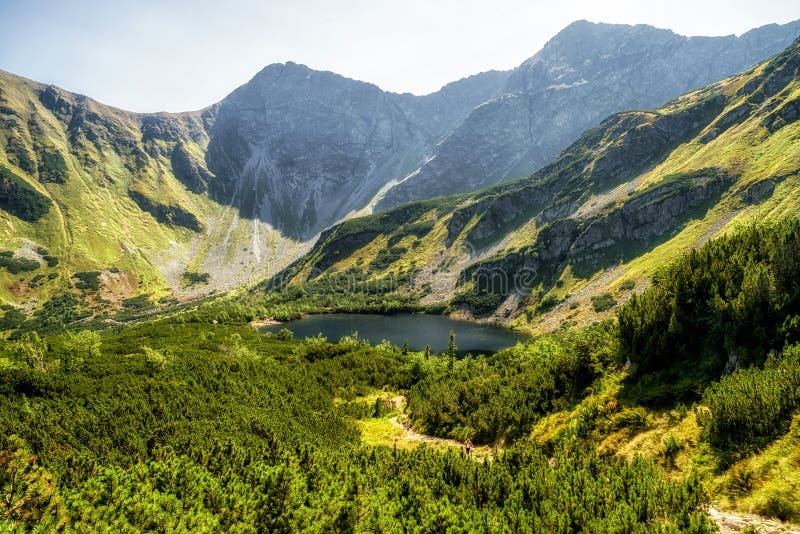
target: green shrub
<point>139,302</point>
<point>750,407</point>
<point>385,257</point>
<point>634,419</point>
<point>89,280</point>
<point>284,334</point>
<point>548,303</point>
<point>79,347</point>
<point>17,265</point>
<point>154,361</point>
<point>52,261</point>
<point>627,285</point>
<point>53,168</point>
<point>603,302</point>
<point>11,319</point>
<point>742,480</point>
<point>781,505</point>
<point>20,199</point>
<point>481,303</point>
<point>672,447</point>
<point>192,278</point>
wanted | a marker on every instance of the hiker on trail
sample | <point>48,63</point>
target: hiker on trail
<point>468,446</point>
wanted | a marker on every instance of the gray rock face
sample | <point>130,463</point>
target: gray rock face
<point>592,242</point>
<point>585,73</point>
<point>301,149</point>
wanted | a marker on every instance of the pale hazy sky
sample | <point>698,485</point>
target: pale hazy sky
<point>151,55</point>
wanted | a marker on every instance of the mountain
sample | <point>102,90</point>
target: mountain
<point>88,188</point>
<point>583,74</point>
<point>566,243</point>
<point>121,209</point>
<point>301,149</point>
<point>118,204</point>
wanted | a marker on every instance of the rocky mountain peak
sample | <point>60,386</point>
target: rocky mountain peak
<point>585,73</point>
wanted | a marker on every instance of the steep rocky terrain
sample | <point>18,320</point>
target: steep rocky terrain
<point>583,74</point>
<point>581,233</point>
<point>301,149</point>
<point>118,199</point>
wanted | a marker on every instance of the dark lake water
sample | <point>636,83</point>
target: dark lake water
<point>418,329</point>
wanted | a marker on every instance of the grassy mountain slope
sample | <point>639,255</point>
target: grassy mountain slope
<point>579,235</point>
<point>87,188</point>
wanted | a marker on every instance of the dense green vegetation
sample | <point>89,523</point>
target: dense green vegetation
<point>166,214</point>
<point>53,168</point>
<point>89,280</point>
<point>498,398</point>
<point>17,265</point>
<point>152,431</point>
<point>324,295</point>
<point>733,300</point>
<point>197,422</point>
<point>749,408</point>
<point>18,198</point>
<point>193,278</point>
<point>56,314</point>
<point>480,302</point>
<point>604,302</point>
<point>11,319</point>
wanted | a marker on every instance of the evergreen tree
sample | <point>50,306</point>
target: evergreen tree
<point>31,350</point>
<point>78,347</point>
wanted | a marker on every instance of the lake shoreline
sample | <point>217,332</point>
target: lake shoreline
<point>417,330</point>
<point>261,323</point>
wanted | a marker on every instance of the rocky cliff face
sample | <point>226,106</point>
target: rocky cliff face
<point>615,234</point>
<point>586,72</point>
<point>300,149</point>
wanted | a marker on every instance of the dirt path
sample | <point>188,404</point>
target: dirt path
<point>412,435</point>
<point>730,523</point>
<point>480,453</point>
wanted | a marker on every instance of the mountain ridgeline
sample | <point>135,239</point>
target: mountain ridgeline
<point>585,73</point>
<point>230,193</point>
<point>639,188</point>
<point>160,206</point>
<point>302,149</point>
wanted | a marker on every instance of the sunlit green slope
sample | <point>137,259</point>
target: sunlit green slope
<point>119,196</point>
